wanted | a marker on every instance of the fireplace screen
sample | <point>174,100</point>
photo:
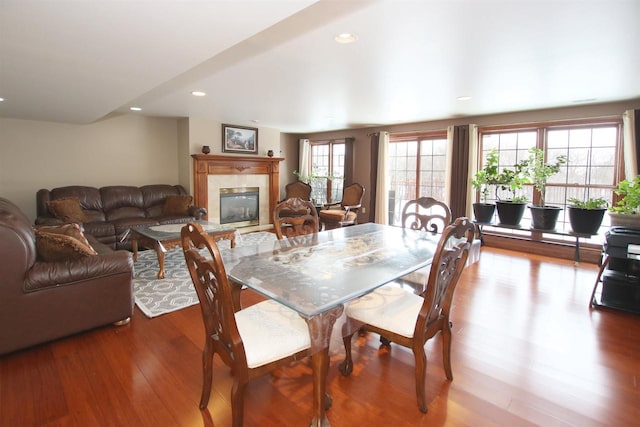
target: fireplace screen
<point>239,207</point>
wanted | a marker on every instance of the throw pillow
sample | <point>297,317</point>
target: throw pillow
<point>67,209</point>
<point>74,230</point>
<point>177,205</point>
<point>53,247</point>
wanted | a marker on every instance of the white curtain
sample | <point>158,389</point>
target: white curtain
<point>449,166</point>
<point>382,180</point>
<point>630,165</point>
<point>473,166</point>
<point>304,159</point>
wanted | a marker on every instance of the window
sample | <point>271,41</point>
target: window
<point>327,171</point>
<point>417,168</point>
<point>592,169</point>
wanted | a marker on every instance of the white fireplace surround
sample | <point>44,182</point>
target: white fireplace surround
<point>216,182</point>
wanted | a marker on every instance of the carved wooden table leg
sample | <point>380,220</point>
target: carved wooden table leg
<point>160,250</point>
<point>320,328</point>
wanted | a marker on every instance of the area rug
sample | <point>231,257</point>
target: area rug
<point>155,297</point>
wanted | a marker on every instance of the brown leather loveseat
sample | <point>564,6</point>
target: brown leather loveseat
<point>108,213</point>
<point>44,300</point>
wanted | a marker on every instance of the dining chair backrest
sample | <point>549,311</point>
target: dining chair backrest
<point>214,292</point>
<point>426,213</point>
<point>298,189</point>
<point>295,217</point>
<point>447,265</point>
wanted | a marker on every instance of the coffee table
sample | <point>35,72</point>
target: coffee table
<point>165,237</point>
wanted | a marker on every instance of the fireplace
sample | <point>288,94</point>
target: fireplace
<point>240,206</point>
<point>213,172</point>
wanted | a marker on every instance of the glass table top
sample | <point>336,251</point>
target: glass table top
<point>172,231</point>
<point>314,273</point>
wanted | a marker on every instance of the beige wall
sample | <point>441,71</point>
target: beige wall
<point>119,150</point>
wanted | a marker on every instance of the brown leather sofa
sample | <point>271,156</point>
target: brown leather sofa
<point>111,211</point>
<point>42,301</point>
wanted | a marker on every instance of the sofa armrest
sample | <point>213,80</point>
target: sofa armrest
<point>54,274</point>
<point>197,212</point>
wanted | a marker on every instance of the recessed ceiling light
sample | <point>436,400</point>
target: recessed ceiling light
<point>581,101</point>
<point>463,98</point>
<point>198,93</point>
<point>345,38</point>
<point>1,99</point>
<point>135,108</point>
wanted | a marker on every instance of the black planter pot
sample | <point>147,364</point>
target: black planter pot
<point>483,212</point>
<point>510,213</point>
<point>544,217</point>
<point>586,221</point>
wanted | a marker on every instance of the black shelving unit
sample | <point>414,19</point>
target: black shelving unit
<point>618,283</point>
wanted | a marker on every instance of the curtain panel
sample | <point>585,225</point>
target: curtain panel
<point>379,177</point>
<point>459,171</point>
<point>304,157</point>
<point>631,145</point>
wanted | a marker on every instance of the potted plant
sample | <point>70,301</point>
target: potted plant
<point>481,181</point>
<point>511,209</point>
<point>543,216</point>
<point>585,216</point>
<point>625,213</point>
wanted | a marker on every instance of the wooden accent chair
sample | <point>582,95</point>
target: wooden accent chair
<point>295,217</point>
<point>298,189</point>
<point>409,319</point>
<point>253,341</point>
<point>347,212</point>
<point>426,213</point>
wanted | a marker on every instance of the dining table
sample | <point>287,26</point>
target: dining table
<point>317,274</point>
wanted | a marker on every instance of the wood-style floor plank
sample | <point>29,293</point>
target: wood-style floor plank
<point>527,351</point>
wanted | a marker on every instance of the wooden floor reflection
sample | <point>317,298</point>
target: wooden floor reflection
<point>527,350</point>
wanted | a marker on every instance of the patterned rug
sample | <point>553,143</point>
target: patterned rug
<point>155,297</point>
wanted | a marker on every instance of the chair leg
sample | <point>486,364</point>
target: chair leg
<point>237,402</point>
<point>346,367</point>
<point>446,350</point>
<point>421,373</point>
<point>207,373</point>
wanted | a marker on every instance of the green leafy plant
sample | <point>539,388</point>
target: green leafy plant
<point>630,192</point>
<point>539,172</point>
<point>592,203</point>
<point>512,180</point>
<point>486,176</point>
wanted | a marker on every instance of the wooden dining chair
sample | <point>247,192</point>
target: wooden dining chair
<point>409,319</point>
<point>252,341</point>
<point>298,189</point>
<point>295,217</point>
<point>347,212</point>
<point>426,213</point>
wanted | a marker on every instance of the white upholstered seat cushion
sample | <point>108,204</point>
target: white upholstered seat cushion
<point>389,307</point>
<point>271,331</point>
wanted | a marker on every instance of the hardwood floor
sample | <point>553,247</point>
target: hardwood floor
<point>527,351</point>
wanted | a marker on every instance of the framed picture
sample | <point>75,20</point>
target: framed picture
<point>239,139</point>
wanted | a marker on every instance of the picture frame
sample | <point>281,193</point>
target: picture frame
<point>239,139</point>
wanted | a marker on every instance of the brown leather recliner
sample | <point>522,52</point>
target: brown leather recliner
<point>42,301</point>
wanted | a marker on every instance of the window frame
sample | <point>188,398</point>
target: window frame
<point>542,130</point>
<point>418,137</point>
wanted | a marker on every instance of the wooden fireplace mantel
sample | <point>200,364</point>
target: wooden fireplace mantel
<point>205,165</point>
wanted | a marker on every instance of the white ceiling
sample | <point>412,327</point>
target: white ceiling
<point>275,64</point>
